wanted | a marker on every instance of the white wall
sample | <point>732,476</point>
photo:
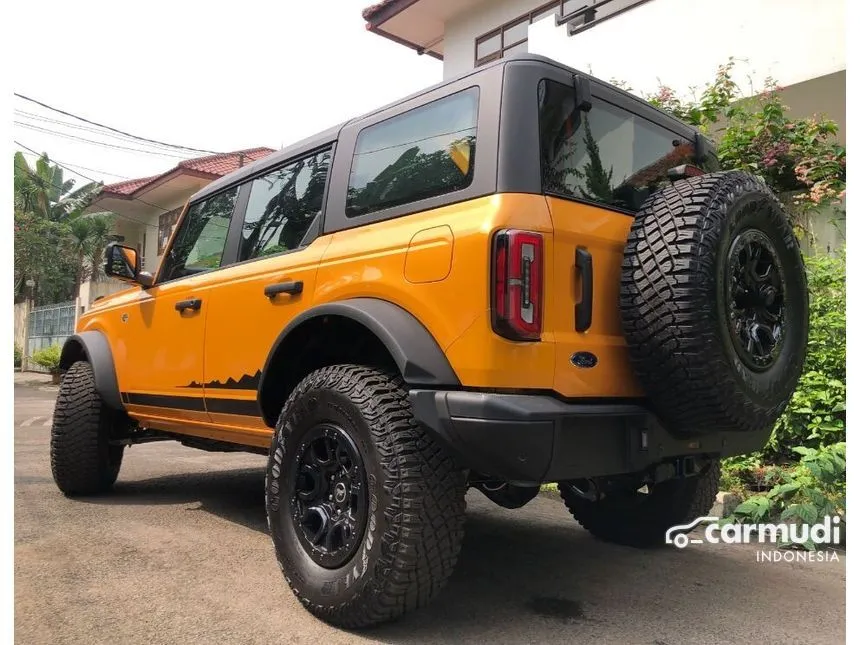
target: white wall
<point>680,43</point>
<point>461,32</point>
<point>152,259</point>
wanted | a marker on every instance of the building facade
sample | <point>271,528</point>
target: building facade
<point>644,43</point>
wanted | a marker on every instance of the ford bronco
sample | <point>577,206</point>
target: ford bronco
<point>521,275</point>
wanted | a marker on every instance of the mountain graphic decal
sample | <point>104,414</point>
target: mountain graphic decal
<point>246,382</point>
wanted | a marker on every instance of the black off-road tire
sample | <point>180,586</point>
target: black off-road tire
<point>82,460</point>
<point>640,519</point>
<point>678,311</point>
<point>416,499</point>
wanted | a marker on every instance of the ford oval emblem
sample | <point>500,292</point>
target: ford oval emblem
<point>583,359</point>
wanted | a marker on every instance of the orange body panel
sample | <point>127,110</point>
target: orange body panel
<point>434,264</point>
<point>603,233</point>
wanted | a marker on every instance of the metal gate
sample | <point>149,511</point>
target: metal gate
<point>49,325</point>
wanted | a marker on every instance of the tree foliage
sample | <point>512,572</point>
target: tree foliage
<point>57,246</point>
<point>758,135</point>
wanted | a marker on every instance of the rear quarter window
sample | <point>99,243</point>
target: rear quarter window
<point>422,153</point>
<point>606,155</point>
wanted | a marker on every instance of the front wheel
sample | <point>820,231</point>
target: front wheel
<point>365,509</point>
<point>83,462</point>
<point>641,517</point>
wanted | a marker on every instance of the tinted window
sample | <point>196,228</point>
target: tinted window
<point>283,205</point>
<point>425,152</point>
<point>605,155</point>
<point>199,243</point>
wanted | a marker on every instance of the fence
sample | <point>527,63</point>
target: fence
<point>49,325</point>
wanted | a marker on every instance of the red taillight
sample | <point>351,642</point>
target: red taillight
<point>517,283</point>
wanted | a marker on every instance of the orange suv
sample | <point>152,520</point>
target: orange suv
<point>518,276</point>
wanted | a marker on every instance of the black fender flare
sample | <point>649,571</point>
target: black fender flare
<point>418,357</point>
<point>93,347</point>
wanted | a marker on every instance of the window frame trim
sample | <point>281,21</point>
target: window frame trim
<point>616,98</point>
<point>500,32</point>
<point>158,281</point>
<point>567,19</point>
<point>488,84</point>
<point>236,229</point>
<point>477,96</point>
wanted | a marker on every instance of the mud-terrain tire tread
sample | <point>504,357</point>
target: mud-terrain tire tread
<point>82,462</point>
<point>427,510</point>
<point>669,314</point>
<point>645,524</point>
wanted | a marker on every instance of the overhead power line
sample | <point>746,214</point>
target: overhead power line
<point>74,165</point>
<point>142,201</point>
<point>107,127</point>
<point>104,144</point>
<point>85,128</point>
<point>131,219</point>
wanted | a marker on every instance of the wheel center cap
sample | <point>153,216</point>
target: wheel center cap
<point>340,492</point>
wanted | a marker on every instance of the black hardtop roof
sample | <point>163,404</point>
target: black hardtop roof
<point>331,134</point>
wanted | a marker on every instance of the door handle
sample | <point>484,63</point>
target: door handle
<point>583,308</point>
<point>292,287</point>
<point>192,303</point>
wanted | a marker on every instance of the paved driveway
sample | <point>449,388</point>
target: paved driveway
<point>179,554</point>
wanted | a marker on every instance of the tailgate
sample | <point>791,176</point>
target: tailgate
<point>599,235</point>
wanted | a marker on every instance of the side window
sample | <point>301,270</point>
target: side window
<point>605,155</point>
<point>283,205</point>
<point>202,235</point>
<point>422,153</point>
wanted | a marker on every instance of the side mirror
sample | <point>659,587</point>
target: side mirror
<point>123,263</point>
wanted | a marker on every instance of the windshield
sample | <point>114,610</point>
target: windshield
<point>606,155</point>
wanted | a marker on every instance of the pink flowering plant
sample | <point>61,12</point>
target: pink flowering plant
<point>758,135</point>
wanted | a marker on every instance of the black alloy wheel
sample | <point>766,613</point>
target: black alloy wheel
<point>755,287</point>
<point>329,502</point>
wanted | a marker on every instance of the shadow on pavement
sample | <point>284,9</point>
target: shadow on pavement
<point>521,573</point>
<point>234,495</point>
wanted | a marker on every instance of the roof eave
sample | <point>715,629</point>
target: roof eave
<point>402,41</point>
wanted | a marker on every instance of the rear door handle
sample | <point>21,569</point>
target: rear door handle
<point>583,308</point>
<point>292,287</point>
<point>192,303</point>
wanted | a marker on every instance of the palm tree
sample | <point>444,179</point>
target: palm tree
<point>89,235</point>
<point>42,191</point>
<point>51,228</point>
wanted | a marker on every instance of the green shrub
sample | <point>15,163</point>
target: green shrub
<point>815,417</point>
<point>807,491</point>
<point>19,356</point>
<point>48,357</point>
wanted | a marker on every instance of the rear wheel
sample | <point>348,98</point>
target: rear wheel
<point>82,460</point>
<point>641,517</point>
<point>365,509</point>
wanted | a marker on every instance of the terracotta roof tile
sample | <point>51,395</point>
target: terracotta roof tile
<point>215,165</point>
<point>225,163</point>
<point>129,186</point>
<point>368,12</point>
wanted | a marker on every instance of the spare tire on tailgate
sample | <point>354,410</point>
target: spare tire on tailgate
<point>714,304</point>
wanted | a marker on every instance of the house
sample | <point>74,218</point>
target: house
<point>645,43</point>
<point>146,210</point>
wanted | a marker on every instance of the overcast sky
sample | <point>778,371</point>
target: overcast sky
<point>213,76</point>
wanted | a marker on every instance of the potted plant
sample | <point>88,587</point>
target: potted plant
<point>49,358</point>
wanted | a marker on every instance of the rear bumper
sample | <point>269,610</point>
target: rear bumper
<point>531,438</point>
